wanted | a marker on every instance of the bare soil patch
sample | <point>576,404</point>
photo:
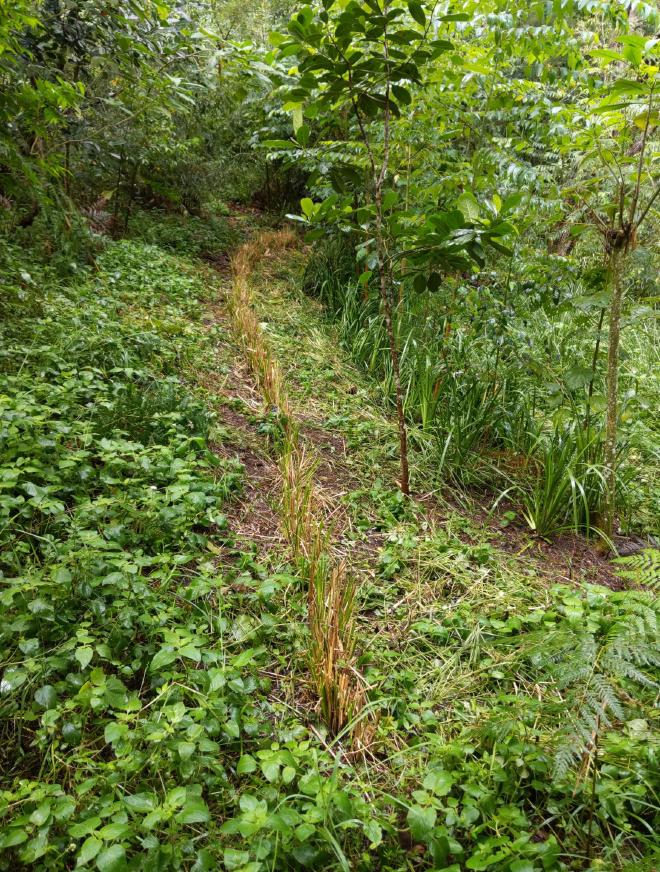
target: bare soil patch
<point>253,517</point>
<point>568,558</point>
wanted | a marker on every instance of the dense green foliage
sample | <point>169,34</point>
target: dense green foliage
<point>421,182</point>
<point>480,190</point>
<point>136,711</point>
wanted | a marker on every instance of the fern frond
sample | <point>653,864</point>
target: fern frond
<point>565,756</point>
<point>643,567</point>
<point>605,699</point>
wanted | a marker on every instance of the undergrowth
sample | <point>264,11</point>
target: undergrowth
<point>153,700</point>
<point>516,413</point>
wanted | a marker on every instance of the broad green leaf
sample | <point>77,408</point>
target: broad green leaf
<point>115,831</point>
<point>579,229</point>
<point>373,832</point>
<point>248,803</point>
<point>607,54</point>
<point>419,283</point>
<point>84,656</point>
<point>12,837</point>
<point>288,774</point>
<point>205,862</point>
<point>248,656</point>
<point>307,206</point>
<point>186,750</point>
<point>139,802</point>
<point>113,859</point>
<point>628,87</point>
<point>401,94</point>
<point>190,652</point>
<point>46,696</point>
<point>152,819</point>
<point>114,732</point>
<point>421,822</point>
<point>302,134</point>
<point>645,119</point>
<point>195,811</point>
<point>271,770</point>
<point>482,860</point>
<point>89,850</point>
<point>438,782</point>
<point>578,377</point>
<point>297,117</point>
<point>469,206</point>
<point>12,679</point>
<point>417,12</point>
<point>246,764</point>
<point>522,866</point>
<point>234,859</point>
<point>41,814</point>
<point>83,828</point>
<point>434,282</point>
<point>390,198</point>
<point>164,657</point>
<point>633,48</point>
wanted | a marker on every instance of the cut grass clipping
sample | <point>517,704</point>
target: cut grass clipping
<point>331,593</point>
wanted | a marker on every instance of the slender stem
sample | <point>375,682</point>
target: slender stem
<point>594,364</point>
<point>386,276</point>
<point>640,163</point>
<point>615,267</point>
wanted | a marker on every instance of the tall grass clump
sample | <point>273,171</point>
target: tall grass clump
<point>246,326</point>
<point>298,511</point>
<point>332,654</point>
<point>330,590</point>
<point>486,413</point>
<point>330,271</point>
<point>562,485</point>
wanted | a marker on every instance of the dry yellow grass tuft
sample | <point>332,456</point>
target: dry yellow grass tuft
<point>332,656</point>
<point>246,326</point>
<point>331,593</point>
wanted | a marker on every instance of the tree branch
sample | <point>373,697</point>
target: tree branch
<point>640,165</point>
<point>646,209</point>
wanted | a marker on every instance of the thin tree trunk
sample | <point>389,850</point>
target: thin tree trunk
<point>379,176</point>
<point>386,279</point>
<point>594,364</point>
<point>394,357</point>
<point>615,278</point>
<point>131,196</point>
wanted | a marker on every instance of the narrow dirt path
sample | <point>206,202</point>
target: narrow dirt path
<point>416,563</point>
<point>254,518</point>
<point>313,517</point>
<point>341,416</point>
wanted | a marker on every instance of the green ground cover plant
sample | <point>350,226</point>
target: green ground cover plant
<point>329,436</point>
<point>497,655</point>
<point>512,725</point>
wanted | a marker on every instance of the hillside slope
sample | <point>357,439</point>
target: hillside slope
<point>156,699</point>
